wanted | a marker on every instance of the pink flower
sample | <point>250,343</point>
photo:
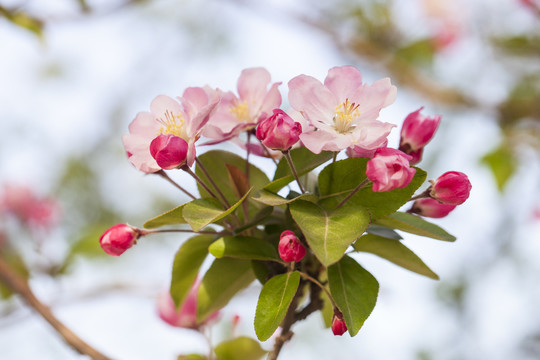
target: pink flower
<point>34,211</point>
<point>185,119</point>
<point>169,151</point>
<point>343,111</point>
<point>186,315</point>
<point>452,188</point>
<point>416,132</point>
<point>236,114</point>
<point>338,326</point>
<point>389,169</point>
<point>116,240</point>
<point>290,248</point>
<point>279,131</point>
<point>431,208</point>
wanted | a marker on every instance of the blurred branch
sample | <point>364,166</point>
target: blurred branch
<point>18,285</point>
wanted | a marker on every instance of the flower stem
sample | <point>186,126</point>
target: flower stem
<point>207,174</point>
<point>19,285</point>
<point>293,169</point>
<point>362,184</point>
<point>199,180</point>
<point>164,175</point>
<point>316,282</point>
<point>422,195</point>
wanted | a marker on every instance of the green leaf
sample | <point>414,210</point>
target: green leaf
<point>171,217</point>
<point>329,233</point>
<point>224,278</point>
<point>394,251</point>
<point>192,357</point>
<point>415,225</point>
<point>215,162</point>
<point>242,347</point>
<point>202,212</point>
<point>274,300</point>
<point>187,262</point>
<point>304,161</point>
<point>354,290</point>
<point>243,247</point>
<point>271,199</point>
<point>503,164</point>
<point>257,219</point>
<point>338,179</point>
<point>383,231</point>
<point>419,52</point>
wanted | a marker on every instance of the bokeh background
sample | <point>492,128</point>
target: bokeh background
<point>73,74</point>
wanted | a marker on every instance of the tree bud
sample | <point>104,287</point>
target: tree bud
<point>169,151</point>
<point>452,188</point>
<point>279,131</point>
<point>290,248</point>
<point>431,208</point>
<point>338,326</point>
<point>118,239</point>
<point>389,169</point>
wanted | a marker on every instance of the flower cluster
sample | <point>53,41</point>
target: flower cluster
<point>296,240</point>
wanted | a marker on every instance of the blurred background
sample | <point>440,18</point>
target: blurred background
<point>74,73</point>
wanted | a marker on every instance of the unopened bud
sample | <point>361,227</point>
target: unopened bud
<point>338,325</point>
<point>389,169</point>
<point>169,151</point>
<point>451,188</point>
<point>118,239</point>
<point>290,248</point>
<point>279,131</point>
<point>431,208</point>
<point>416,132</point>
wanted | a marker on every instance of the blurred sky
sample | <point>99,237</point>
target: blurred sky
<point>89,76</point>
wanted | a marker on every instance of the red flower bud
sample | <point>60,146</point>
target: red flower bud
<point>416,132</point>
<point>451,188</point>
<point>118,239</point>
<point>169,151</point>
<point>389,169</point>
<point>290,248</point>
<point>279,131</point>
<point>431,208</point>
<point>338,326</point>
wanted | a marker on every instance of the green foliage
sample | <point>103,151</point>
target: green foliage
<point>243,247</point>
<point>23,20</point>
<point>417,53</point>
<point>354,290</point>
<point>224,278</point>
<point>274,300</point>
<point>415,225</point>
<point>329,233</point>
<point>202,212</point>
<point>269,198</point>
<point>304,161</point>
<point>502,163</point>
<point>394,251</point>
<point>242,347</point>
<point>339,178</point>
<point>187,261</point>
<point>171,217</point>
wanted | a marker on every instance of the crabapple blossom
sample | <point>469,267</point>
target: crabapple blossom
<point>338,326</point>
<point>185,119</point>
<point>452,188</point>
<point>416,132</point>
<point>236,114</point>
<point>432,208</point>
<point>186,315</point>
<point>279,131</point>
<point>343,111</point>
<point>290,248</point>
<point>117,239</point>
<point>389,169</point>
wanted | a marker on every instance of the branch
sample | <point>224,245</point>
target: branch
<point>19,285</point>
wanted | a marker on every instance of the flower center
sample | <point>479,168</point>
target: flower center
<point>344,116</point>
<point>241,111</point>
<point>172,124</point>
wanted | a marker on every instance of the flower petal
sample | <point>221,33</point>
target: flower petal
<point>309,96</point>
<point>252,84</point>
<point>343,81</point>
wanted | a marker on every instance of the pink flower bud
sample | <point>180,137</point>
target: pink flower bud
<point>416,132</point>
<point>118,239</point>
<point>452,188</point>
<point>279,131</point>
<point>389,169</point>
<point>338,326</point>
<point>186,315</point>
<point>431,208</point>
<point>290,248</point>
<point>169,151</point>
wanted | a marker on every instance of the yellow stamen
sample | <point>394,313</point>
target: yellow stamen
<point>344,116</point>
<point>172,124</point>
<point>241,111</point>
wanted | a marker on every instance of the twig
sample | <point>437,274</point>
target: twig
<point>18,285</point>
<point>207,174</point>
<point>164,175</point>
<point>293,170</point>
